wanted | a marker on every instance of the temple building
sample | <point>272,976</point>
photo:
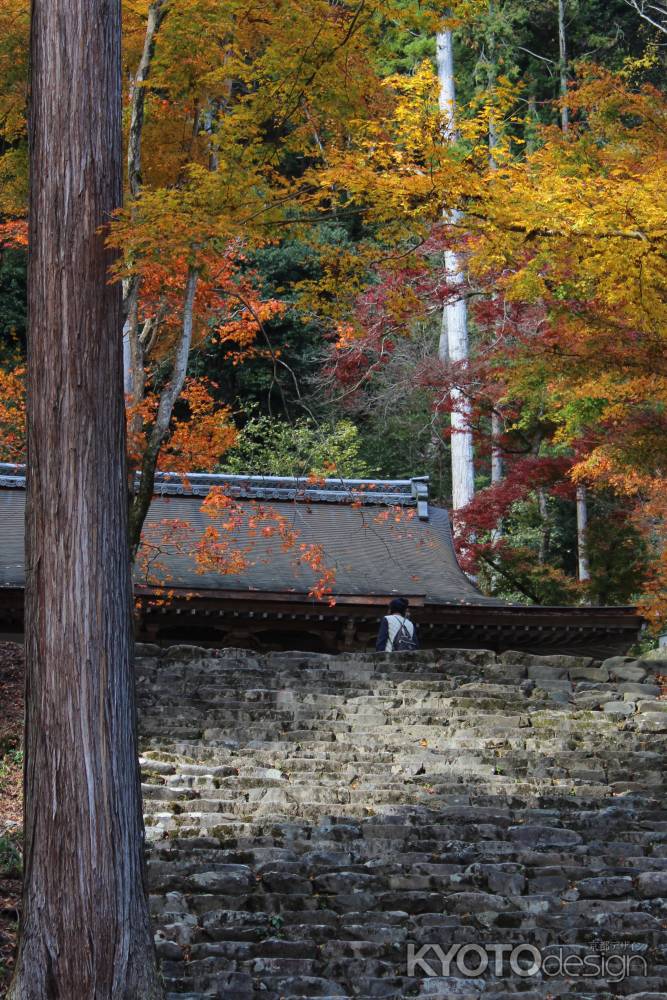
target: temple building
<point>380,539</point>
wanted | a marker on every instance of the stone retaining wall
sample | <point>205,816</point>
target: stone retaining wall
<point>334,826</point>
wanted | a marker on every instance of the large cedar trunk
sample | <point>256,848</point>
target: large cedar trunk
<point>85,929</point>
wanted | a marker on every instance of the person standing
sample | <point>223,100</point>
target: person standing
<point>397,633</point>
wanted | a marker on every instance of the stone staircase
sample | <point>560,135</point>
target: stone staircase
<point>326,826</point>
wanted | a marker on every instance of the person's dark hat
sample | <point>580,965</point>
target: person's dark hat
<point>398,605</point>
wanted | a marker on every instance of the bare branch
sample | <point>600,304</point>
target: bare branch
<point>654,13</point>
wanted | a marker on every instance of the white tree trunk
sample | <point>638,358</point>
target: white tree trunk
<point>128,380</point>
<point>562,47</point>
<point>454,347</point>
<point>545,526</point>
<point>582,534</point>
<point>497,464</point>
<point>582,499</point>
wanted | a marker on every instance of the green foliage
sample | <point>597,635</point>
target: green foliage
<point>648,644</point>
<point>278,377</point>
<point>618,553</point>
<point>540,562</point>
<point>272,447</point>
<point>406,439</point>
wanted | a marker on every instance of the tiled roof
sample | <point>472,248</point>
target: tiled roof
<point>408,554</point>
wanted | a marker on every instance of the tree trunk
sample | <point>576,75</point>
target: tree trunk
<point>545,525</point>
<point>133,357</point>
<point>141,500</point>
<point>582,499</point>
<point>156,13</point>
<point>455,313</point>
<point>497,463</point>
<point>85,929</point>
<point>582,535</point>
<point>562,48</point>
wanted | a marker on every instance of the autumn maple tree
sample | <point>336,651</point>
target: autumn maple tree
<point>535,208</point>
<point>564,248</point>
<point>192,205</point>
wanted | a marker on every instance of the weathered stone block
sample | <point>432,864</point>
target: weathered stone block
<point>185,653</point>
<point>593,699</point>
<point>229,880</point>
<point>652,722</point>
<point>475,902</point>
<point>595,674</point>
<point>628,672</point>
<point>441,988</point>
<point>652,884</point>
<point>619,709</point>
<point>605,887</point>
<point>544,836</point>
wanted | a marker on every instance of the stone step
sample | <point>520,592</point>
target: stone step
<point>308,816</point>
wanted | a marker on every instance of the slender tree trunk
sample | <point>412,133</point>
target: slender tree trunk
<point>582,535</point>
<point>142,499</point>
<point>497,463</point>
<point>562,48</point>
<point>455,314</point>
<point>497,467</point>
<point>133,355</point>
<point>545,528</point>
<point>85,932</point>
<point>582,498</point>
<point>156,13</point>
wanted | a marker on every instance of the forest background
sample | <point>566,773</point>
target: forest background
<point>335,263</point>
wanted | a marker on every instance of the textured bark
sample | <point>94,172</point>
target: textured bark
<point>85,930</point>
<point>454,338</point>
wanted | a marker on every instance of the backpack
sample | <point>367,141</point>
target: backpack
<point>403,641</point>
